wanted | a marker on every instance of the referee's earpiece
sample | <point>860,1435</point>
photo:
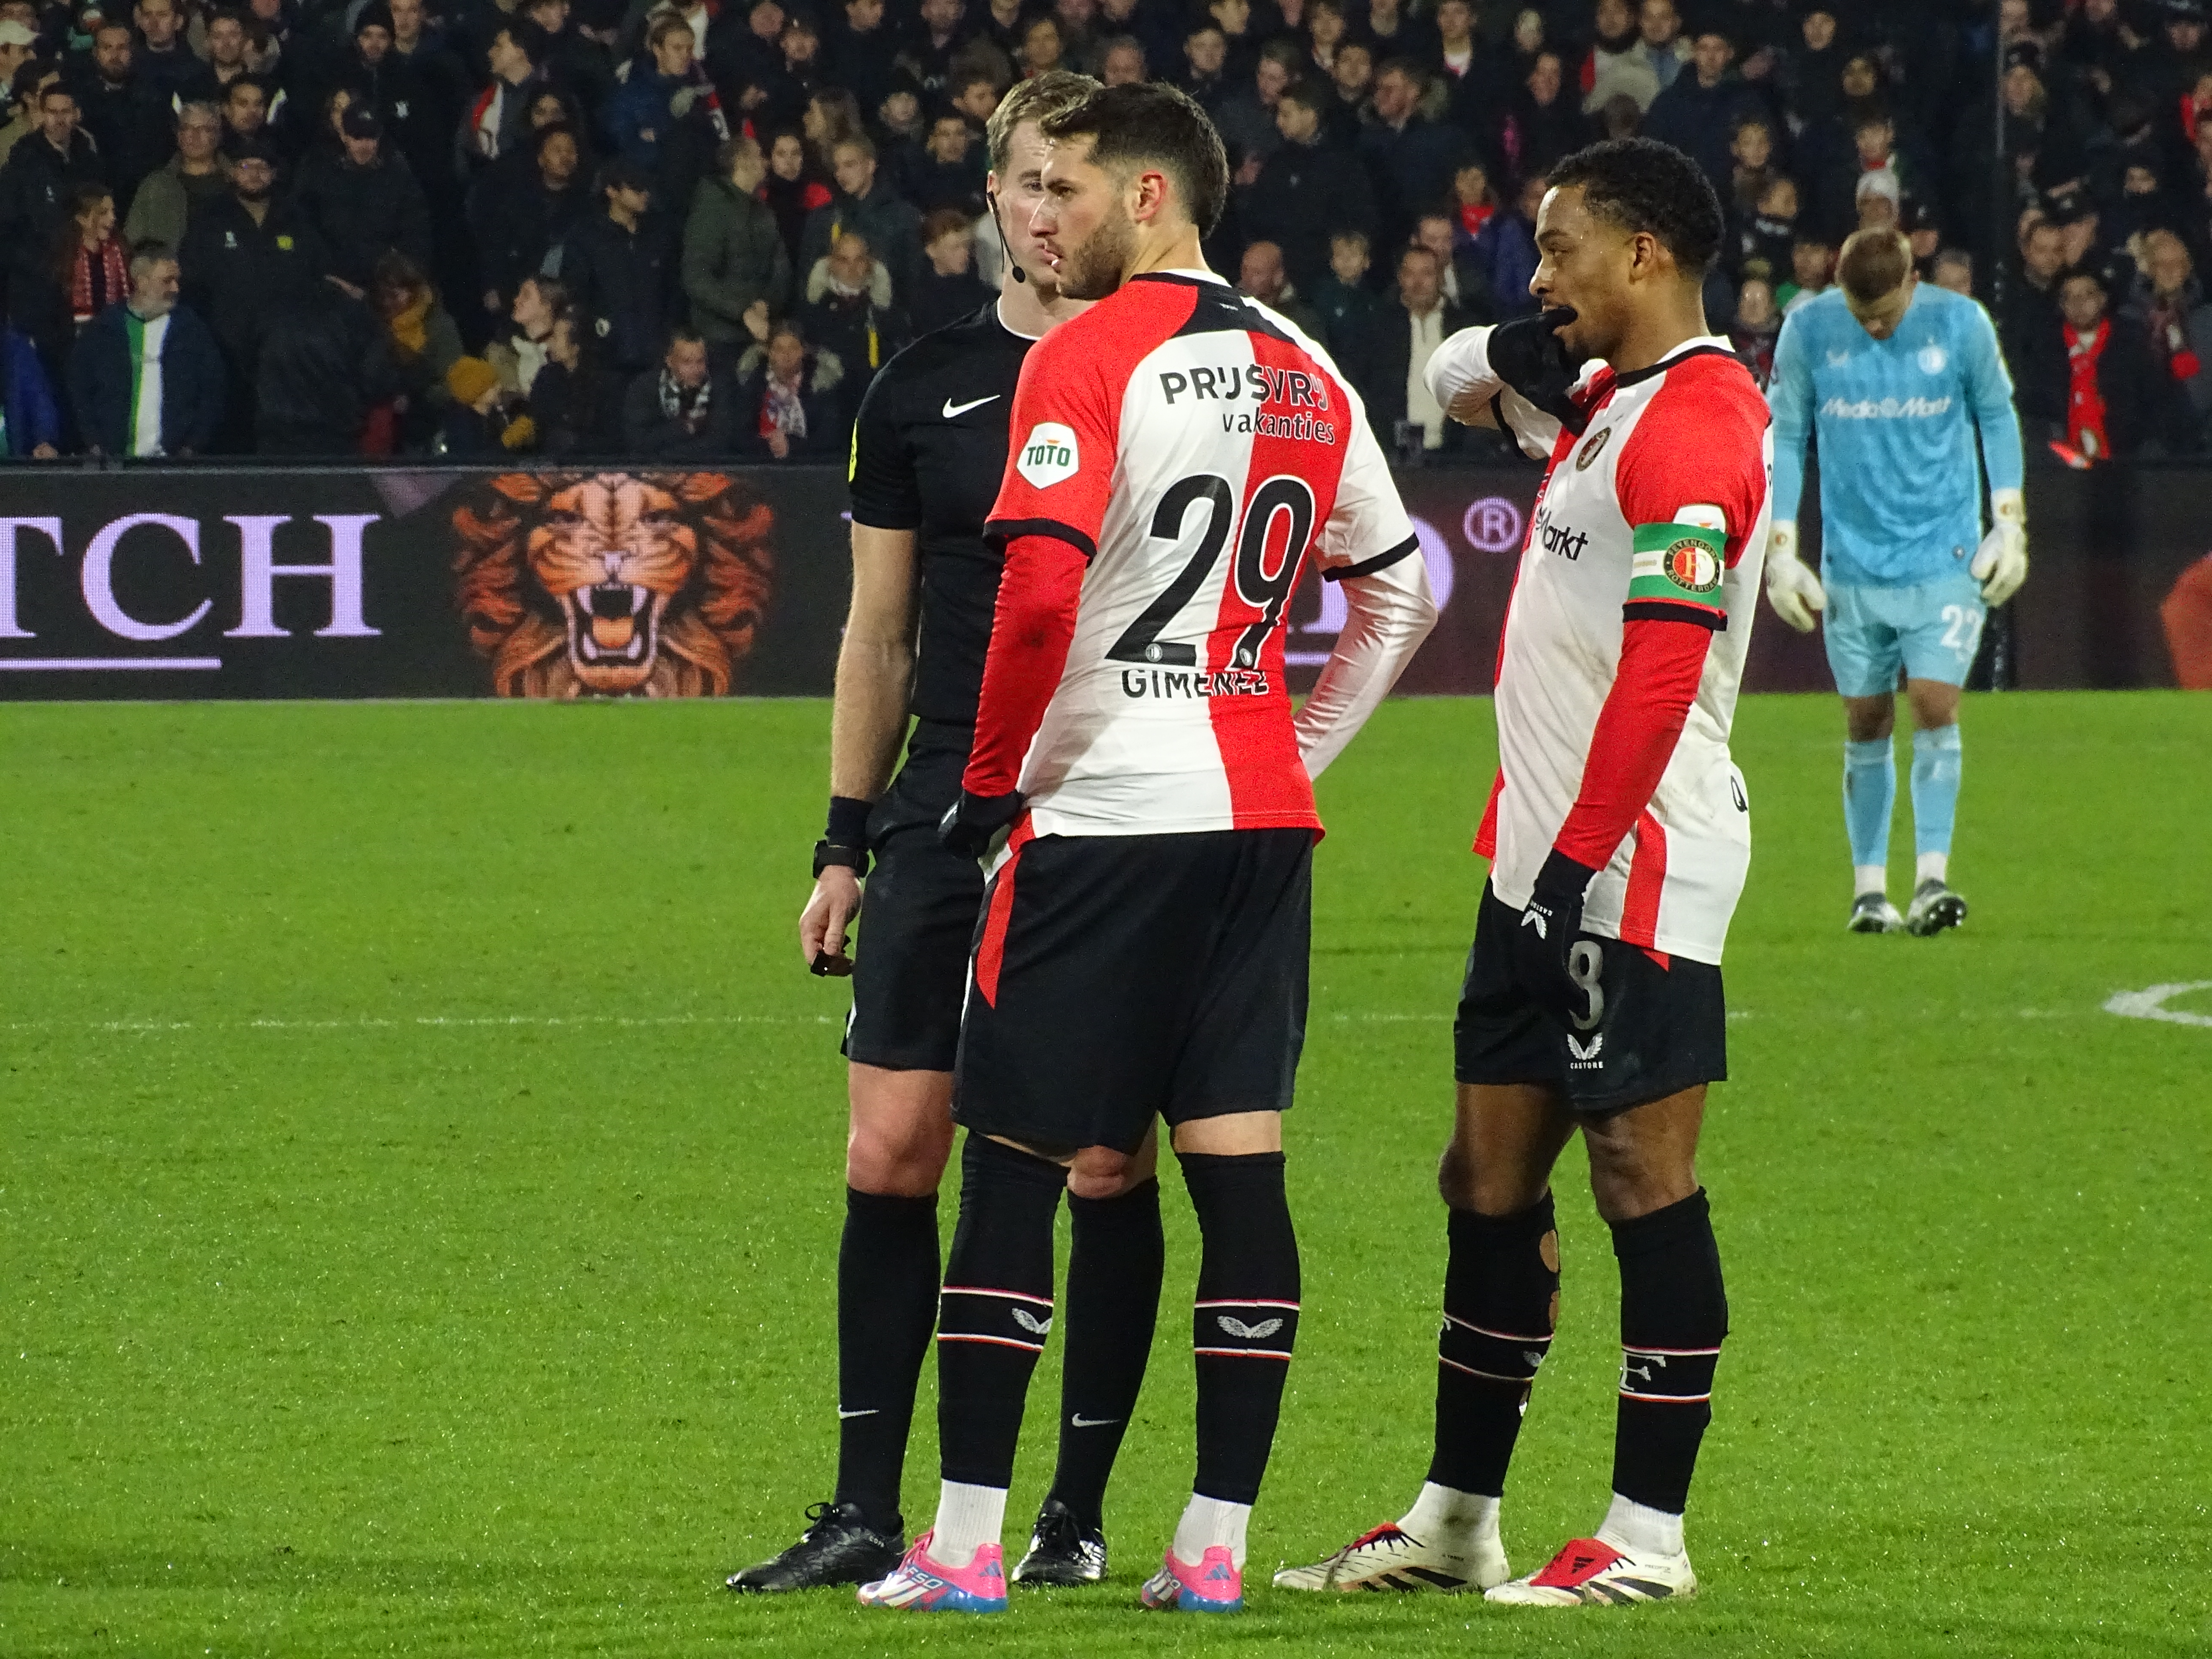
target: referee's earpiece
<point>1020,275</point>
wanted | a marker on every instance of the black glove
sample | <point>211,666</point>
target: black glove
<point>968,824</point>
<point>1526,354</point>
<point>1544,941</point>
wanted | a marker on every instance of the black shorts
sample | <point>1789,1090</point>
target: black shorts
<point>1659,1029</point>
<point>917,921</point>
<point>1120,978</point>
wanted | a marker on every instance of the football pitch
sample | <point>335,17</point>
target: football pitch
<point>420,1155</point>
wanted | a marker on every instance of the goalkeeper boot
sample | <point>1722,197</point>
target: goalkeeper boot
<point>1391,1558</point>
<point>919,1584</point>
<point>1934,907</point>
<point>1590,1573</point>
<point>1063,1553</point>
<point>1216,1584</point>
<point>1873,913</point>
<point>838,1547</point>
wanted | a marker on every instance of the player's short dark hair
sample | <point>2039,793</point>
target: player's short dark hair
<point>1151,121</point>
<point>1643,185</point>
<point>1875,264</point>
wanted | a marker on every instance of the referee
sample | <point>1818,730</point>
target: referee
<point>929,449</point>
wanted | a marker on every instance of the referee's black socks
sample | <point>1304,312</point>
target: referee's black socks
<point>1674,1315</point>
<point>1501,1306</point>
<point>1113,1265</point>
<point>1244,1325</point>
<point>887,1305</point>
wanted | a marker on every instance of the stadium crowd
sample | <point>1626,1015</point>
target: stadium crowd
<point>587,227</point>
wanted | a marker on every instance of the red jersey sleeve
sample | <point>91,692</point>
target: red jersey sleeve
<point>1060,445</point>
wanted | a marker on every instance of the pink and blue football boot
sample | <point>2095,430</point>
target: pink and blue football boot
<point>919,1584</point>
<point>1214,1585</point>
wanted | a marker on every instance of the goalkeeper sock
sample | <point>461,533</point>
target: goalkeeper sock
<point>1245,1321</point>
<point>996,1308</point>
<point>1935,766</point>
<point>1673,1314</point>
<point>1869,796</point>
<point>886,1307</point>
<point>1114,1259</point>
<point>1501,1304</point>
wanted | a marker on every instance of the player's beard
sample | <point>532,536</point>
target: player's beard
<point>1092,269</point>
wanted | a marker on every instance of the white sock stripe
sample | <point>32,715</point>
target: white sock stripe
<point>1663,1399</point>
<point>1508,1336</point>
<point>1674,1353</point>
<point>1010,1296</point>
<point>997,1341</point>
<point>1282,1355</point>
<point>1254,1302</point>
<point>1494,1377</point>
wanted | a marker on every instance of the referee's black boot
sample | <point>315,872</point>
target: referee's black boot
<point>839,1548</point>
<point>1063,1552</point>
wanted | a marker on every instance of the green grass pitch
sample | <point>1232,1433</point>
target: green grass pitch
<point>419,1185</point>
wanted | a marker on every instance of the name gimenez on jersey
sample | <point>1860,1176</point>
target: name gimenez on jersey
<point>1184,683</point>
<point>1263,386</point>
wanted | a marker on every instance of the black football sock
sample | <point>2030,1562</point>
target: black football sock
<point>1501,1306</point>
<point>887,1305</point>
<point>1246,1318</point>
<point>996,1308</point>
<point>1674,1315</point>
<point>1113,1265</point>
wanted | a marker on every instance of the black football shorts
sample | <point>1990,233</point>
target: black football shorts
<point>917,921</point>
<point>1120,978</point>
<point>1658,1030</point>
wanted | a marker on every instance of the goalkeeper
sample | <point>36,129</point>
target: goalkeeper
<point>1900,376</point>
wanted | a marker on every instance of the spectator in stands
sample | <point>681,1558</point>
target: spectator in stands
<point>850,312</point>
<point>146,379</point>
<point>615,265</point>
<point>948,288</point>
<point>525,221</point>
<point>1411,159</point>
<point>1464,285</point>
<point>575,402</point>
<point>422,89</point>
<point>2118,406</point>
<point>1247,116</point>
<point>227,37</point>
<point>1308,190</point>
<point>2029,328</point>
<point>1395,356</point>
<point>1812,269</point>
<point>2166,305</point>
<point>1261,276</point>
<point>540,302</point>
<point>1122,62</point>
<point>128,125</point>
<point>30,418</point>
<point>496,122</point>
<point>859,50</point>
<point>1757,326</point>
<point>166,65</point>
<point>666,97</point>
<point>473,426</point>
<point>245,115</point>
<point>579,66</point>
<point>59,286</point>
<point>949,170</point>
<point>194,176</point>
<point>1503,253</point>
<point>421,340</point>
<point>791,192</point>
<point>1616,66</point>
<point>1346,306</point>
<point>736,272</point>
<point>1390,25</point>
<point>867,206</point>
<point>789,404</point>
<point>1352,76</point>
<point>319,366</point>
<point>677,412</point>
<point>1546,122</point>
<point>364,203</point>
<point>1698,112</point>
<point>246,257</point>
<point>1659,43</point>
<point>1204,62</point>
<point>30,81</point>
<point>1477,84</point>
<point>44,168</point>
<point>1955,271</point>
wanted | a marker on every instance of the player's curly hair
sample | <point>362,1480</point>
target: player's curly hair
<point>1642,185</point>
<point>1150,121</point>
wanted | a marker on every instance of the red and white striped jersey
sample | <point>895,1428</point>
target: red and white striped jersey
<point>1194,448</point>
<point>1654,514</point>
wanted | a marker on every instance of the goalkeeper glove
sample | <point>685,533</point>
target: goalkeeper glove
<point>971,823</point>
<point>1544,943</point>
<point>1527,355</point>
<point>2001,561</point>
<point>1792,589</point>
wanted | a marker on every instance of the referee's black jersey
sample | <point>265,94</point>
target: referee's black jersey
<point>929,447</point>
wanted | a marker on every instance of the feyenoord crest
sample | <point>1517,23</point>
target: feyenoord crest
<point>1048,455</point>
<point>1690,566</point>
<point>1593,446</point>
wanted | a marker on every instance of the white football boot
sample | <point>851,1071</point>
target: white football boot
<point>1391,1558</point>
<point>1590,1573</point>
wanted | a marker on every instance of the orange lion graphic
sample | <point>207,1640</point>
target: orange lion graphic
<point>614,584</point>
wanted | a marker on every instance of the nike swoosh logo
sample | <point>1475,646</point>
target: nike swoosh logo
<point>843,1413</point>
<point>1083,1422</point>
<point>952,408</point>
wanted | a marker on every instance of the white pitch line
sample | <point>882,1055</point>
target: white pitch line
<point>2150,1003</point>
<point>421,1021</point>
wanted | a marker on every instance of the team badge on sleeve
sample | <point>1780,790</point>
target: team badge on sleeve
<point>1679,564</point>
<point>1049,455</point>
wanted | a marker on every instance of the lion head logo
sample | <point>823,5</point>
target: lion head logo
<point>614,584</point>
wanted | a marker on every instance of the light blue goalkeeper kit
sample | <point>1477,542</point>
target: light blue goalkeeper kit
<point>1900,518</point>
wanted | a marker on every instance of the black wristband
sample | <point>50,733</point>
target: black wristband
<point>848,822</point>
<point>827,853</point>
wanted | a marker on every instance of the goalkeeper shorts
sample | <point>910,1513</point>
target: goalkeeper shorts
<point>1930,631</point>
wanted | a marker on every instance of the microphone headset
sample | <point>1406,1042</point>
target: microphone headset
<point>991,195</point>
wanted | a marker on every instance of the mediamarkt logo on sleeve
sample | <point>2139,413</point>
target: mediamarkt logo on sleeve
<point>1048,455</point>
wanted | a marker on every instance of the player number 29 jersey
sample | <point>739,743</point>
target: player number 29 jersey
<point>1197,449</point>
